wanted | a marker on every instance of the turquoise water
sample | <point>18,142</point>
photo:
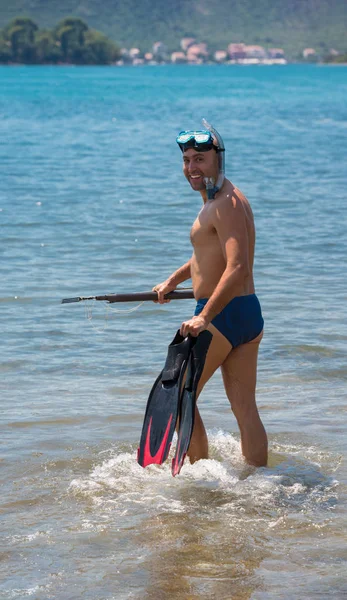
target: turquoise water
<point>92,200</point>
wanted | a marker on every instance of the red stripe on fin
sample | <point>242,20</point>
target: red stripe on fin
<point>161,455</point>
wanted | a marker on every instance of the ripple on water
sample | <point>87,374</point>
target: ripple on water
<point>80,218</point>
<point>290,482</point>
<point>215,524</point>
<point>215,509</point>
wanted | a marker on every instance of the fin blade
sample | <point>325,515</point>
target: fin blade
<point>178,460</point>
<point>185,431</point>
<point>188,399</point>
<point>163,450</point>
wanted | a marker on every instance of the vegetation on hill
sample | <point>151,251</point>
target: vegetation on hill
<point>71,41</point>
<point>339,59</point>
<point>290,24</point>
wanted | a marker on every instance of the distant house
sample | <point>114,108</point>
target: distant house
<point>257,52</point>
<point>124,57</point>
<point>178,57</point>
<point>220,55</point>
<point>160,51</point>
<point>186,42</point>
<point>309,53</point>
<point>276,53</point>
<point>236,51</point>
<point>134,53</point>
<point>197,52</point>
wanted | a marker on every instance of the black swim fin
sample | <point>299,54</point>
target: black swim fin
<point>196,364</point>
<point>163,404</point>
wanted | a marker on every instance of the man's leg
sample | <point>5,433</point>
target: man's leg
<point>239,372</point>
<point>218,351</point>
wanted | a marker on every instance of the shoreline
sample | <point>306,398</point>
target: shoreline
<point>187,64</point>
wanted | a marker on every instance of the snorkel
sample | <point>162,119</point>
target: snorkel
<point>203,141</point>
<point>213,187</point>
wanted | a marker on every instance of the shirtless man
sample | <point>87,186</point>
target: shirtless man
<point>221,269</point>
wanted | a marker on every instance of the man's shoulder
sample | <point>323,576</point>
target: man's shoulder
<point>231,196</point>
<point>232,206</point>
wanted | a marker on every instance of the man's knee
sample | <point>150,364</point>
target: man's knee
<point>245,413</point>
<point>242,400</point>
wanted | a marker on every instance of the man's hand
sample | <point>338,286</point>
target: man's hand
<point>194,326</point>
<point>162,289</point>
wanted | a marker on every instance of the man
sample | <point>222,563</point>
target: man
<point>221,269</point>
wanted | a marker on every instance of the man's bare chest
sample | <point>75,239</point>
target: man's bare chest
<point>203,231</point>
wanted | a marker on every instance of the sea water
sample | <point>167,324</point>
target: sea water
<point>93,201</point>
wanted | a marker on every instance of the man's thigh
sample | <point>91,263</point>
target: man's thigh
<point>217,353</point>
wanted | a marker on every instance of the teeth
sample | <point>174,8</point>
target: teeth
<point>194,176</point>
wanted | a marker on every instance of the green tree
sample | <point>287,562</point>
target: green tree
<point>70,33</point>
<point>71,41</point>
<point>20,33</point>
<point>99,50</point>
<point>48,49</point>
<point>340,58</point>
<point>5,50</point>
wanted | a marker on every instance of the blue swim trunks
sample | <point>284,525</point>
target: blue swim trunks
<point>240,321</point>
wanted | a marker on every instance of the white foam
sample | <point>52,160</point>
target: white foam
<point>19,593</point>
<point>294,483</point>
<point>19,539</point>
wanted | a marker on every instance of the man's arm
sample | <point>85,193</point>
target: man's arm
<point>230,224</point>
<point>170,284</point>
<point>182,274</point>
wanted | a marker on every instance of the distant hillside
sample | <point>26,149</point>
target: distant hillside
<point>291,24</point>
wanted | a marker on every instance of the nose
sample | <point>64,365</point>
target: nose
<point>192,168</point>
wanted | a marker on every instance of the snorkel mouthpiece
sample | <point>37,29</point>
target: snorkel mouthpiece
<point>211,189</point>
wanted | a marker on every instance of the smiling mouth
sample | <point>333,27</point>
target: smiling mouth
<point>195,176</point>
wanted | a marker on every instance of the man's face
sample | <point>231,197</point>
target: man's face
<point>198,165</point>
